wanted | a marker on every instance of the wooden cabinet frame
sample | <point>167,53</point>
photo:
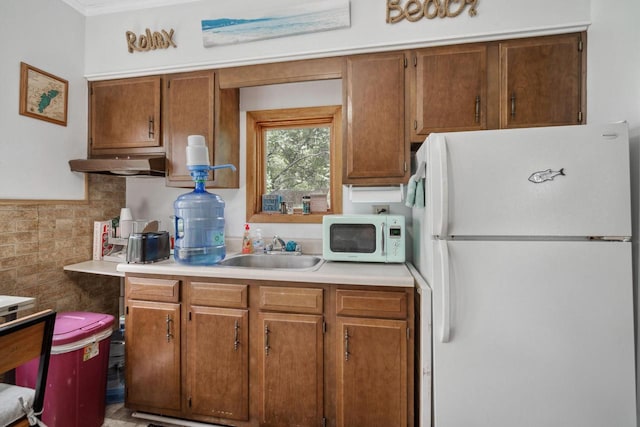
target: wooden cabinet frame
<point>384,111</point>
<point>311,317</point>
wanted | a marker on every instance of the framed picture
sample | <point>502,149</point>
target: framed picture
<point>42,95</point>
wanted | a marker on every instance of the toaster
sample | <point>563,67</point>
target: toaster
<point>144,248</point>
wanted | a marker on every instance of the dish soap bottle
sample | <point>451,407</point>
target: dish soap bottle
<point>199,215</point>
<point>258,242</point>
<point>247,244</point>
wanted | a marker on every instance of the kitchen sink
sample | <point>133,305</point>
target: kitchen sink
<point>266,261</point>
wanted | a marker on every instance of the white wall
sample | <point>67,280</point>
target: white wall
<point>34,154</point>
<point>107,54</point>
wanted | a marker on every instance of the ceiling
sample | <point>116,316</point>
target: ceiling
<point>101,7</point>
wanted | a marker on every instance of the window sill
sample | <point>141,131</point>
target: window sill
<point>312,218</point>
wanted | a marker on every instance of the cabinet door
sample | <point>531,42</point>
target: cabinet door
<point>376,151</point>
<point>188,110</point>
<point>450,90</point>
<point>218,362</point>
<point>125,115</point>
<point>152,358</point>
<point>542,81</point>
<point>372,372</point>
<point>291,370</point>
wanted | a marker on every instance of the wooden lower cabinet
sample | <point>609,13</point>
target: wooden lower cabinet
<point>291,370</point>
<point>270,354</point>
<point>372,373</point>
<point>217,362</point>
<point>217,351</point>
<point>153,356</point>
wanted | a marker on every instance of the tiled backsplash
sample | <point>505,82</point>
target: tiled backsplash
<point>37,240</point>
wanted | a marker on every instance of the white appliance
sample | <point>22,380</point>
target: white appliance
<point>525,242</point>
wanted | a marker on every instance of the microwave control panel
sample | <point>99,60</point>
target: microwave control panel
<point>395,239</point>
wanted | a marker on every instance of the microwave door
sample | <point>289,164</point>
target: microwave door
<point>354,238</point>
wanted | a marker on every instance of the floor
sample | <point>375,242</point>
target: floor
<point>116,415</point>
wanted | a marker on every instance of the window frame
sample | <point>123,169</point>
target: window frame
<point>257,122</point>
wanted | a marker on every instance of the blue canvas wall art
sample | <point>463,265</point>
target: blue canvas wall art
<point>308,17</point>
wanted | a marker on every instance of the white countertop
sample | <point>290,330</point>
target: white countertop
<point>345,273</point>
<point>105,268</point>
<point>11,304</point>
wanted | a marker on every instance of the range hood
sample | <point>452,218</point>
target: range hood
<point>150,165</point>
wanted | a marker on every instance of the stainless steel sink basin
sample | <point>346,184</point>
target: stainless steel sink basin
<point>298,262</point>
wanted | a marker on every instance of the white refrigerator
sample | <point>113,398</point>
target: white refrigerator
<point>524,240</point>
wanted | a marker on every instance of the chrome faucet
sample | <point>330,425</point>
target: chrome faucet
<point>278,241</point>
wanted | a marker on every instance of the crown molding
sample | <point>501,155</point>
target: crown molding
<point>103,7</point>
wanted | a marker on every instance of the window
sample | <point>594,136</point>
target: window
<point>293,153</point>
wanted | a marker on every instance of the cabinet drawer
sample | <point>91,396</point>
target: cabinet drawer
<point>384,304</point>
<point>218,295</point>
<point>142,288</point>
<point>299,300</point>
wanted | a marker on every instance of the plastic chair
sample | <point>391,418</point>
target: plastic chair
<point>22,340</point>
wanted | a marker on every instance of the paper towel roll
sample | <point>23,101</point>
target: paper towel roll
<point>126,223</point>
<point>376,194</point>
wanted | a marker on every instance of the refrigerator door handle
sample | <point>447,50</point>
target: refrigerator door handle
<point>444,187</point>
<point>446,292</point>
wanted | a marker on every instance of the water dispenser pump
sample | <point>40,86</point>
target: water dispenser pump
<point>199,215</point>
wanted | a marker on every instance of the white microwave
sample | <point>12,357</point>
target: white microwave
<point>363,238</point>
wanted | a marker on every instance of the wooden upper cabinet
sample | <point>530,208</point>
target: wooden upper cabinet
<point>194,104</point>
<point>227,137</point>
<point>278,73</point>
<point>542,81</point>
<point>188,110</point>
<point>125,116</point>
<point>375,147</point>
<point>448,90</point>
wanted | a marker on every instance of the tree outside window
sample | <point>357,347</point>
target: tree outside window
<point>298,162</point>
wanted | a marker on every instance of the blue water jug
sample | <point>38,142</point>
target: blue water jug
<point>199,223</point>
